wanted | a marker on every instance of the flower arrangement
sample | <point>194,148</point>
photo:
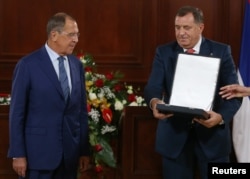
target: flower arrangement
<point>4,99</point>
<point>106,99</point>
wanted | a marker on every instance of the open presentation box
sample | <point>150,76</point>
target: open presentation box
<point>194,86</point>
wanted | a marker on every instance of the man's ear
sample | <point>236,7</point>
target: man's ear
<point>54,35</point>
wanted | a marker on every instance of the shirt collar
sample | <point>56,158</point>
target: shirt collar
<point>52,54</point>
<point>196,47</point>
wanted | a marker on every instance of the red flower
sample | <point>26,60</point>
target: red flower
<point>109,76</point>
<point>80,55</point>
<point>118,88</point>
<point>4,95</point>
<point>99,83</point>
<point>88,108</point>
<point>88,69</point>
<point>107,115</point>
<point>98,147</point>
<point>131,98</point>
<point>98,168</point>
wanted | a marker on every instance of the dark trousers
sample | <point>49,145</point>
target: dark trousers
<point>190,163</point>
<point>61,172</point>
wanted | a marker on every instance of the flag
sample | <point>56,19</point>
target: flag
<point>241,122</point>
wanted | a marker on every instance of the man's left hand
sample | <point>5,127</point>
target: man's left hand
<point>214,119</point>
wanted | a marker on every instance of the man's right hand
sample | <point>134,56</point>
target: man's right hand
<point>156,112</point>
<point>20,166</point>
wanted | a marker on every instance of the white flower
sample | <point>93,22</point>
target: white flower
<point>88,73</point>
<point>133,104</point>
<point>5,100</point>
<point>139,99</point>
<point>101,94</point>
<point>108,92</point>
<point>92,96</point>
<point>105,129</point>
<point>95,115</point>
<point>124,101</point>
<point>83,60</point>
<point>118,105</point>
<point>100,76</point>
<point>130,89</point>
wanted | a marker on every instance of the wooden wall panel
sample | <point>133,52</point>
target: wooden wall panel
<point>6,70</point>
<point>117,35</point>
<point>5,163</point>
<point>138,157</point>
<point>120,34</point>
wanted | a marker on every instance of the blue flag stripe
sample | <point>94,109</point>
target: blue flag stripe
<point>244,66</point>
<point>241,122</point>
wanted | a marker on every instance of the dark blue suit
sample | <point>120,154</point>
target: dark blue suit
<point>173,133</point>
<point>43,127</point>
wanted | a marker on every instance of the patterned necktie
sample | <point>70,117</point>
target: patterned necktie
<point>63,78</point>
<point>191,51</point>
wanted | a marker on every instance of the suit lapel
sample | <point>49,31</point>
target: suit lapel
<point>47,67</point>
<point>73,76</point>
<point>205,48</point>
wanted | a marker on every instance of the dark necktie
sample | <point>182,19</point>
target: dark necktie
<point>191,51</point>
<point>63,78</point>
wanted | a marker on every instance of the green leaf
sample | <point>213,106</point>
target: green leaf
<point>106,155</point>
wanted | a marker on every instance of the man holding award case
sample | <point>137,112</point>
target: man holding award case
<point>183,94</point>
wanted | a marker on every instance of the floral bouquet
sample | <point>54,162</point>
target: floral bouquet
<point>4,99</point>
<point>106,99</point>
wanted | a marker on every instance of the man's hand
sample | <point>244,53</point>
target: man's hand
<point>214,119</point>
<point>84,163</point>
<point>20,166</point>
<point>156,112</point>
